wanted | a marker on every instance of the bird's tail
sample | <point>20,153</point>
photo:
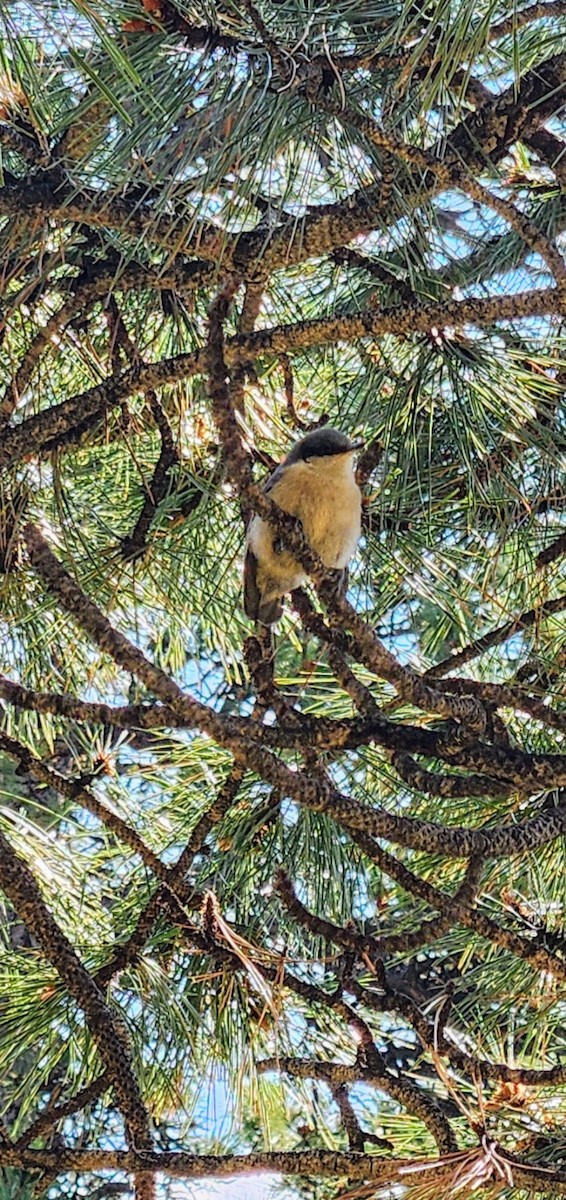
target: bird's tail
<point>269,611</point>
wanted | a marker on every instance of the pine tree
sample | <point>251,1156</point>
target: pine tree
<point>321,878</point>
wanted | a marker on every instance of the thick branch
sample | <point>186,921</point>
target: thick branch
<point>35,434</point>
<point>387,943</point>
<point>523,621</point>
<point>20,887</point>
<point>323,1163</point>
<point>313,791</point>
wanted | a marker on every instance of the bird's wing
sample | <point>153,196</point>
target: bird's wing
<point>274,478</point>
<point>252,594</point>
<point>268,485</point>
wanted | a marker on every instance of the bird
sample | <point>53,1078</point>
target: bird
<point>315,483</point>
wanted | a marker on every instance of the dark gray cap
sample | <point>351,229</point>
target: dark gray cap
<point>322,443</point>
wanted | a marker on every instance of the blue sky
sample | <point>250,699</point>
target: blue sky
<point>261,1188</point>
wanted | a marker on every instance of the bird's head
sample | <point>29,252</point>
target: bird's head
<point>322,443</point>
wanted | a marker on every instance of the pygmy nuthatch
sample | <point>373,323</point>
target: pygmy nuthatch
<point>316,483</point>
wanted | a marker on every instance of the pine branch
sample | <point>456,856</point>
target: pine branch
<point>523,621</point>
<point>388,943</point>
<point>134,545</point>
<point>38,433</point>
<point>53,1114</point>
<point>21,889</point>
<point>461,913</point>
<point>314,792</point>
<point>126,954</point>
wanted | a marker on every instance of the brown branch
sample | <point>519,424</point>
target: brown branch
<point>313,791</point>
<point>172,878</point>
<point>396,1089</point>
<point>126,954</point>
<point>357,1137</point>
<point>236,786</point>
<point>376,60</point>
<point>393,1000</point>
<point>35,435</point>
<point>52,1114</point>
<point>542,10</point>
<point>130,716</point>
<point>525,770</point>
<point>422,1104</point>
<point>480,645</point>
<point>553,552</point>
<point>461,913</point>
<point>513,696</point>
<point>432,1037</point>
<point>551,150</point>
<point>120,339</point>
<point>13,506</point>
<point>251,305</point>
<point>41,200</point>
<point>528,772</point>
<point>21,143</point>
<point>439,1173</point>
<point>20,887</point>
<point>337,642</point>
<point>128,656</point>
<point>73,790</point>
<point>344,256</point>
<point>512,114</point>
<point>388,943</point>
<point>181,1165</point>
<point>434,784</point>
<point>435,1040</point>
<point>281,61</point>
<point>135,544</point>
<point>92,285</point>
<point>419,159</point>
<point>198,37</point>
<point>323,732</point>
<point>480,140</point>
<point>289,384</point>
<point>549,770</point>
<point>449,171</point>
<point>533,237</point>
